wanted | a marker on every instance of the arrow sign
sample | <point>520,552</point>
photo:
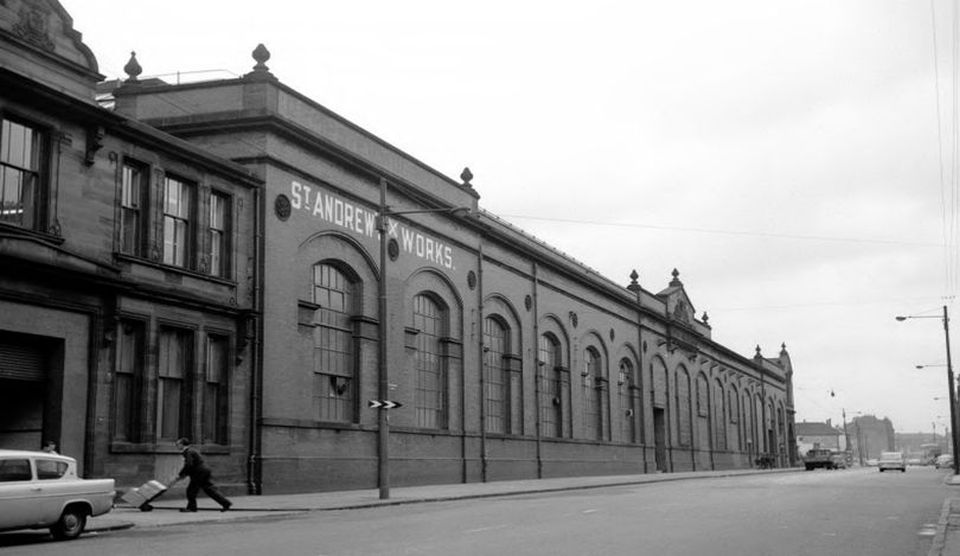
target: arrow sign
<point>383,404</point>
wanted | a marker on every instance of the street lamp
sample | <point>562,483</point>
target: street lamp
<point>383,390</point>
<point>953,395</point>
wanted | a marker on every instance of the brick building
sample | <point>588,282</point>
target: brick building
<point>511,359</point>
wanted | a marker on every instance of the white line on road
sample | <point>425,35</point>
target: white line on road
<point>482,529</point>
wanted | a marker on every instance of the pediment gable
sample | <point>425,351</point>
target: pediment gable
<point>679,306</point>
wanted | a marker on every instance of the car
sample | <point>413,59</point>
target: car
<point>892,460</point>
<point>41,490</point>
<point>944,461</point>
<point>872,462</point>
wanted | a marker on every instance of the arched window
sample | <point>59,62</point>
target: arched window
<point>628,409</point>
<point>684,424</point>
<point>334,362</point>
<point>429,318</point>
<point>497,381</point>
<point>733,410</point>
<point>592,375</point>
<point>551,386</point>
<point>719,417</point>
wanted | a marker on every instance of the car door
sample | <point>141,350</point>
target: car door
<point>18,507</point>
<point>52,493</point>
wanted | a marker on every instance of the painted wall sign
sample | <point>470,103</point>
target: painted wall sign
<point>360,220</point>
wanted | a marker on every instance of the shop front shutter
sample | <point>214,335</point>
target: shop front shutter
<point>21,362</point>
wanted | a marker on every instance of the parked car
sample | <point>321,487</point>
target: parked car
<point>892,460</point>
<point>41,490</point>
<point>944,461</point>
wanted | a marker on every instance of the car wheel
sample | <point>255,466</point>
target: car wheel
<point>70,524</point>
<point>881,470</point>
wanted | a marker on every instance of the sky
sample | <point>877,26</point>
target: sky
<point>795,161</point>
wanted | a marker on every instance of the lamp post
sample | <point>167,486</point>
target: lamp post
<point>383,389</point>
<point>953,394</point>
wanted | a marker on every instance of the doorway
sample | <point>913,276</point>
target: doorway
<point>30,390</point>
<point>660,438</point>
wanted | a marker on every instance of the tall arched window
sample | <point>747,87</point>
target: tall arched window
<point>628,409</point>
<point>497,381</point>
<point>334,365</point>
<point>684,424</point>
<point>719,417</point>
<point>429,319</point>
<point>592,376</point>
<point>551,386</point>
<point>733,410</point>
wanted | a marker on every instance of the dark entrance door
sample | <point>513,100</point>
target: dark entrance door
<point>660,438</point>
<point>29,392</point>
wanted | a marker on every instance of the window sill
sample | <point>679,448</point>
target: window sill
<point>12,230</point>
<point>134,259</point>
<point>120,447</point>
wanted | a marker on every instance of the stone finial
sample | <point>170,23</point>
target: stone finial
<point>758,350</point>
<point>634,284</point>
<point>261,55</point>
<point>676,278</point>
<point>466,175</point>
<point>132,69</point>
<point>705,318</point>
<point>260,71</point>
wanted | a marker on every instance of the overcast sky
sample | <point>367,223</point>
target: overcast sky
<point>794,161</point>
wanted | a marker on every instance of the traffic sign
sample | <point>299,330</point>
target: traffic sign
<point>383,404</point>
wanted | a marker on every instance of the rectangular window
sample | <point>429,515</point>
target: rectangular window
<point>133,187</point>
<point>129,376</point>
<point>21,155</point>
<point>173,388</point>
<point>177,222</point>
<point>216,393</point>
<point>219,236</point>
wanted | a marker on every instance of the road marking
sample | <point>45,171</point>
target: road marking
<point>589,511</point>
<point>928,530</point>
<point>482,529</point>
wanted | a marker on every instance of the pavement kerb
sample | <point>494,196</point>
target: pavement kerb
<point>650,478</point>
<point>940,539</point>
<point>113,521</point>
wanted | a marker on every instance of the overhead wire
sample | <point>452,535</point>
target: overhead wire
<point>939,119</point>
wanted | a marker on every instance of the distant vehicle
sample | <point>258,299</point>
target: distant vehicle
<point>930,453</point>
<point>839,460</point>
<point>944,461</point>
<point>41,490</point>
<point>872,462</point>
<point>823,459</point>
<point>915,461</point>
<point>892,460</point>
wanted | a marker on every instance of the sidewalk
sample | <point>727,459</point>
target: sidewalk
<point>258,507</point>
<point>947,540</point>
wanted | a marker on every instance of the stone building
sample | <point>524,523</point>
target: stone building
<point>126,261</point>
<point>510,359</point>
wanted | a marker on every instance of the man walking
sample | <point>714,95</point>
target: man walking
<point>199,473</point>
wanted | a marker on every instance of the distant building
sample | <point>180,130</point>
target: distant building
<point>819,435</point>
<point>870,436</point>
